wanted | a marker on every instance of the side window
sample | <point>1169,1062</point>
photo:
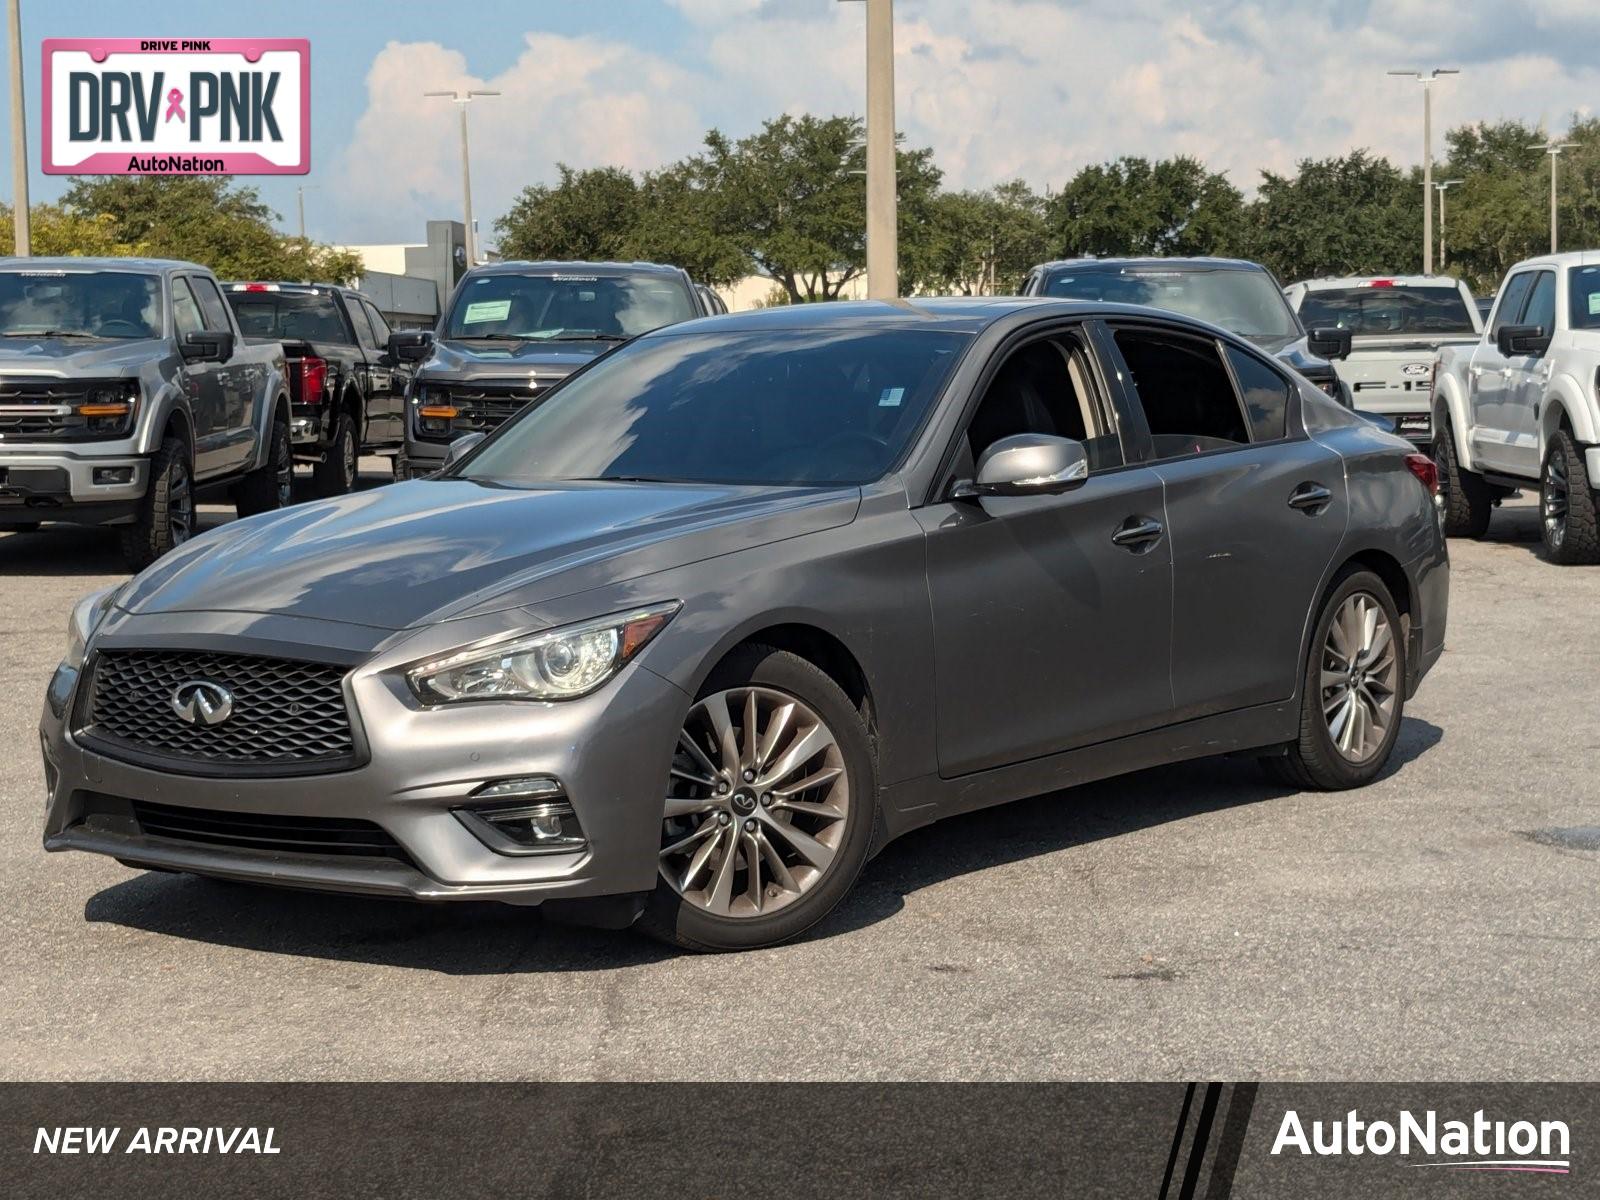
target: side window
<point>214,312</point>
<point>1512,295</point>
<point>358,318</point>
<point>1265,393</point>
<point>1045,387</point>
<point>380,327</point>
<point>185,308</point>
<point>1187,397</point>
<point>1541,308</point>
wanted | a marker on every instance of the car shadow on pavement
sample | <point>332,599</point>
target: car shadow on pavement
<point>496,939</point>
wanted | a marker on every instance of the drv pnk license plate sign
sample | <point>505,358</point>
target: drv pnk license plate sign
<point>168,106</point>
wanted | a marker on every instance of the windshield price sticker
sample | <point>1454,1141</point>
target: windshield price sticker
<point>487,310</point>
<point>132,106</point>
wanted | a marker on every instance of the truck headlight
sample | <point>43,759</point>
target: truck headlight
<point>108,409</point>
<point>85,619</point>
<point>558,664</point>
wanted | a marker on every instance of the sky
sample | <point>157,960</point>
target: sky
<point>1001,89</point>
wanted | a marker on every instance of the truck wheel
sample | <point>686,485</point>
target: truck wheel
<point>1570,526</point>
<point>1353,691</point>
<point>271,485</point>
<point>335,475</point>
<point>166,513</point>
<point>1466,499</point>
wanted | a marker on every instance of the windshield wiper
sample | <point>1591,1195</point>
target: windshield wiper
<point>54,333</point>
<point>491,337</point>
<point>586,337</point>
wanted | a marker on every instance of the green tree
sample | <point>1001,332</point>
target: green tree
<point>676,223</point>
<point>982,242</point>
<point>56,231</point>
<point>1352,215</point>
<point>1133,206</point>
<point>586,214</point>
<point>208,219</point>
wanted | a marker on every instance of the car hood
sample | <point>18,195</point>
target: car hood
<point>415,553</point>
<point>501,360</point>
<point>74,356</point>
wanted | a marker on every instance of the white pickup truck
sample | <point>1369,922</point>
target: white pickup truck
<point>1518,407</point>
<point>1397,324</point>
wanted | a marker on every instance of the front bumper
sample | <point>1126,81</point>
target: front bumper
<point>609,751</point>
<point>57,483</point>
<point>423,458</point>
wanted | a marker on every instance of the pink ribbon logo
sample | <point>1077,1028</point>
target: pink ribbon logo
<point>175,105</point>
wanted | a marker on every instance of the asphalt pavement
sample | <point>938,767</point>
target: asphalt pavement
<point>1187,922</point>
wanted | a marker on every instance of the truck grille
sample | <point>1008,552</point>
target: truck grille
<point>481,408</point>
<point>287,715</point>
<point>47,409</point>
<point>267,832</point>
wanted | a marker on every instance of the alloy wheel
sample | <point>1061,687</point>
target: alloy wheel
<point>756,808</point>
<point>1360,676</point>
<point>285,473</point>
<point>1555,499</point>
<point>180,505</point>
<point>347,458</point>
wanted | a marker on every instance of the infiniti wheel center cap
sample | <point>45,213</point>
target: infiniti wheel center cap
<point>744,802</point>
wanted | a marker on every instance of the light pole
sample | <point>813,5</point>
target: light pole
<point>19,137</point>
<point>462,99</point>
<point>883,256</point>
<point>1443,187</point>
<point>1426,79</point>
<point>1553,148</point>
<point>300,203</point>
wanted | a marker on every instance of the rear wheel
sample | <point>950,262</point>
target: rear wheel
<point>335,475</point>
<point>1466,499</point>
<point>1352,692</point>
<point>271,485</point>
<point>165,517</point>
<point>1569,524</point>
<point>770,808</point>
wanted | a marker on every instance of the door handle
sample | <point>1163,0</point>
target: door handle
<point>1310,498</point>
<point>1137,532</point>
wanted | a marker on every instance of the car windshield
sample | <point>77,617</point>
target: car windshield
<point>289,315</point>
<point>821,406</point>
<point>567,306</point>
<point>91,304</point>
<point>1245,302</point>
<point>1583,297</point>
<point>1385,308</point>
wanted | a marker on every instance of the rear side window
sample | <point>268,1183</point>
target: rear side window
<point>1265,394</point>
<point>1187,397</point>
<point>1511,298</point>
<point>1542,303</point>
<point>380,327</point>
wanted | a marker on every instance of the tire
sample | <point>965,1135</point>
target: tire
<point>1569,524</point>
<point>335,475</point>
<point>1467,501</point>
<point>787,894</point>
<point>1315,760</point>
<point>165,517</point>
<point>270,486</point>
<point>401,465</point>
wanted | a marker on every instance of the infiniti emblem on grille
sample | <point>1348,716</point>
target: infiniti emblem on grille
<point>201,702</point>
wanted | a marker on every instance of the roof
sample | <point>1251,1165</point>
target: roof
<point>1569,258</point>
<point>524,267</point>
<point>1197,263</point>
<point>286,285</point>
<point>1328,282</point>
<point>74,263</point>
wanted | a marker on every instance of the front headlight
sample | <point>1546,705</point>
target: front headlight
<point>558,664</point>
<point>85,619</point>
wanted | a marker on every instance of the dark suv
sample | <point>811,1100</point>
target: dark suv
<point>515,329</point>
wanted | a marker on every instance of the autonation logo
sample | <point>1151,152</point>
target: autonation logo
<point>1476,1145</point>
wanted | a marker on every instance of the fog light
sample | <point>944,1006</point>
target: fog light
<point>113,475</point>
<point>523,816</point>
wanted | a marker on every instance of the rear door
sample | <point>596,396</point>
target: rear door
<point>1488,379</point>
<point>1255,512</point>
<point>1051,630</point>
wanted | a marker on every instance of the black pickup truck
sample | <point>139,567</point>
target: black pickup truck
<point>346,396</point>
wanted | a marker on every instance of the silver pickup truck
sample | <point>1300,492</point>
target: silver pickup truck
<point>124,386</point>
<point>1397,324</point>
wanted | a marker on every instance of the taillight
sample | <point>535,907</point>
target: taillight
<point>313,379</point>
<point>1426,470</point>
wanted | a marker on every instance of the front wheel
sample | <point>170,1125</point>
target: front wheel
<point>1569,524</point>
<point>165,517</point>
<point>770,808</point>
<point>1353,690</point>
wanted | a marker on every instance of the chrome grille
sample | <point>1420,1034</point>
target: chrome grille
<point>481,408</point>
<point>48,408</point>
<point>286,713</point>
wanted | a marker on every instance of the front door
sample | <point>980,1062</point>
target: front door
<point>202,385</point>
<point>1051,626</point>
<point>1489,380</point>
<point>1256,512</point>
<point>1527,379</point>
<point>383,405</point>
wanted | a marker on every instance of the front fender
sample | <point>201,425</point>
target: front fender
<point>1567,399</point>
<point>168,403</point>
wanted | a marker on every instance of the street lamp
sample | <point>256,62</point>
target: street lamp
<point>19,137</point>
<point>300,203</point>
<point>1553,148</point>
<point>883,269</point>
<point>462,99</point>
<point>1426,79</point>
<point>1442,188</point>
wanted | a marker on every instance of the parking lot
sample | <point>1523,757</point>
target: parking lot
<point>1185,922</point>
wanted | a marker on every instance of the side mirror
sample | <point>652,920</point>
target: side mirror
<point>1522,341</point>
<point>1331,344</point>
<point>206,345</point>
<point>1028,464</point>
<point>411,345</point>
<point>460,448</point>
